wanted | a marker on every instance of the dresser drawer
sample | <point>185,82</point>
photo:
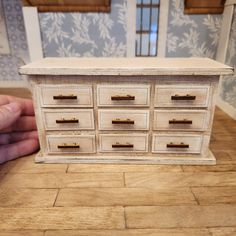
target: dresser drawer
<point>123,142</point>
<point>71,144</point>
<point>123,95</point>
<point>177,143</point>
<point>123,119</point>
<point>181,96</point>
<point>66,96</point>
<point>181,120</point>
<point>65,119</point>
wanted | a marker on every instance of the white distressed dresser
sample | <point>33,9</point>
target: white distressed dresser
<point>139,110</point>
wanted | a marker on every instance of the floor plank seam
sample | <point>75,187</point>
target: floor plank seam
<point>67,168</point>
<point>124,179</point>
<point>196,199</point>
<point>56,197</point>
<point>125,218</point>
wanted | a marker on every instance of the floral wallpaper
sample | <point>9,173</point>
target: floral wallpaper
<point>85,34</point>
<point>17,39</point>
<point>191,35</point>
<point>228,89</point>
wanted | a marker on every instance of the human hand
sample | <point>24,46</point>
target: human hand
<point>18,132</point>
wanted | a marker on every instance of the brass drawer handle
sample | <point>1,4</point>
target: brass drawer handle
<point>175,145</point>
<point>122,98</point>
<point>62,97</point>
<point>183,97</point>
<point>120,121</point>
<point>65,145</point>
<point>63,121</point>
<point>184,121</point>
<point>122,145</point>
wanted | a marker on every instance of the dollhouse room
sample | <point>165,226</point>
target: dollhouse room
<point>118,117</point>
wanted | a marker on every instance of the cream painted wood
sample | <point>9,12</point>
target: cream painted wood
<point>86,77</point>
<point>84,97</point>
<point>160,142</point>
<point>32,30</point>
<point>106,119</point>
<point>164,95</point>
<point>195,120</point>
<point>65,119</point>
<point>86,143</point>
<point>138,141</point>
<point>140,94</point>
<point>126,66</point>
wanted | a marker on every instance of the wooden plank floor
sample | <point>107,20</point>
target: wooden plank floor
<point>122,200</point>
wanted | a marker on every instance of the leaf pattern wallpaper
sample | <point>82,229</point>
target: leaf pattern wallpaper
<point>191,35</point>
<point>17,41</point>
<point>104,35</point>
<point>85,34</point>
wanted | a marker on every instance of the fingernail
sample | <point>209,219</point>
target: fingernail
<point>13,107</point>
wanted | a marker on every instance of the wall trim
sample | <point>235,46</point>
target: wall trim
<point>131,28</point>
<point>33,35</point>
<point>163,26</point>
<point>230,2</point>
<point>222,52</point>
<point>226,107</point>
<point>225,33</point>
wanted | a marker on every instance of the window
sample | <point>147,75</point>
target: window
<point>147,18</point>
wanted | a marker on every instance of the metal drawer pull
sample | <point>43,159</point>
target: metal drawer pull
<point>183,97</point>
<point>184,121</point>
<point>62,97</point>
<point>174,145</point>
<point>63,121</point>
<point>119,121</point>
<point>65,145</point>
<point>122,145</point>
<point>123,97</point>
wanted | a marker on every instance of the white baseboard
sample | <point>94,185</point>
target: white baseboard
<point>226,107</point>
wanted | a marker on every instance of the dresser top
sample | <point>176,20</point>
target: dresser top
<point>126,66</point>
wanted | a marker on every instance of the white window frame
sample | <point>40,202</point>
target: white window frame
<point>162,27</point>
<point>33,35</point>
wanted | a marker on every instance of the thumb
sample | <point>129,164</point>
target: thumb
<point>9,113</point>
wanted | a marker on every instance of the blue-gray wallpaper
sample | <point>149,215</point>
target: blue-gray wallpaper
<point>85,34</point>
<point>17,39</point>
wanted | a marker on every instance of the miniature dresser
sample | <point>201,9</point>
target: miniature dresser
<point>138,110</point>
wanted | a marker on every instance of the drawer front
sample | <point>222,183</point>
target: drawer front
<point>65,119</point>
<point>181,96</point>
<point>71,144</point>
<point>180,120</point>
<point>123,95</point>
<point>177,143</point>
<point>123,119</point>
<point>123,143</point>
<point>66,96</point>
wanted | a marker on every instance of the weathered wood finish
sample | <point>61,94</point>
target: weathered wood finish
<point>131,101</point>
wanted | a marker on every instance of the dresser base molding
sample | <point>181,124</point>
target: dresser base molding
<point>209,159</point>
